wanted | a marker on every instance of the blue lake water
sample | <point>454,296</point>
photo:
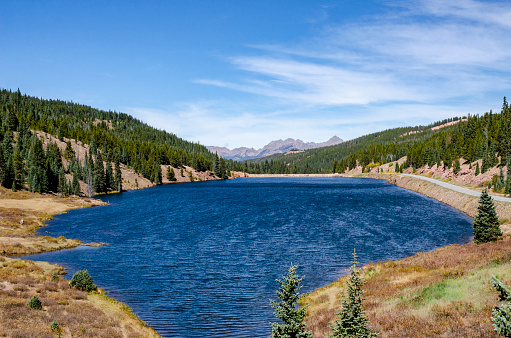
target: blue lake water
<point>201,259</point>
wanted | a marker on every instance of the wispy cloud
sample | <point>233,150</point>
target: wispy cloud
<point>433,51</point>
<point>418,62</point>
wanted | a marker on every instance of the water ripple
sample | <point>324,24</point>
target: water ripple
<point>197,260</point>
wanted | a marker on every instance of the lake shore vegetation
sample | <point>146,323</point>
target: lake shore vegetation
<point>63,148</point>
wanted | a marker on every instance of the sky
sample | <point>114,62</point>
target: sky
<point>243,73</point>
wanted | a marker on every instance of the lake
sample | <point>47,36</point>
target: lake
<point>201,259</point>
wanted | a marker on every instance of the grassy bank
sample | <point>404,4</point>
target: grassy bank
<point>78,313</point>
<point>445,292</point>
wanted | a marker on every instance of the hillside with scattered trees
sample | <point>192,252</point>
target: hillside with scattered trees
<point>484,137</point>
<point>113,140</point>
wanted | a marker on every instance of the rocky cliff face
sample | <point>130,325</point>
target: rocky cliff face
<point>274,147</point>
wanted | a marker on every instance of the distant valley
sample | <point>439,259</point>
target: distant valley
<point>274,147</point>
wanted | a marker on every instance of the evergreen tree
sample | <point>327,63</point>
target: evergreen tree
<point>223,170</point>
<point>501,315</point>
<point>99,175</point>
<point>507,190</point>
<point>486,223</point>
<point>477,169</point>
<point>457,166</point>
<point>171,176</point>
<point>118,176</point>
<point>157,178</point>
<point>352,320</point>
<point>109,177</point>
<point>18,169</point>
<point>69,153</point>
<point>3,166</point>
<point>75,185</point>
<point>292,325</point>
<point>62,187</point>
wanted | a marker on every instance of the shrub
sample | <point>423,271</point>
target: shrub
<point>83,281</point>
<point>54,276</point>
<point>55,327</point>
<point>35,303</point>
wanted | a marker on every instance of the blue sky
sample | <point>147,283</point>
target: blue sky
<point>243,73</point>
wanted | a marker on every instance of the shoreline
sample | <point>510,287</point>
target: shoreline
<point>460,201</point>
<point>20,278</point>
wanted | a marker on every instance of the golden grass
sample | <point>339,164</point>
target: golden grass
<point>444,292</point>
<point>34,209</point>
<point>79,314</point>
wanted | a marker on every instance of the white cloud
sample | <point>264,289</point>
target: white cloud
<point>432,60</point>
<point>434,51</point>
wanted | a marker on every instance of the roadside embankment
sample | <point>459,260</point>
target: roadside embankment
<point>461,201</point>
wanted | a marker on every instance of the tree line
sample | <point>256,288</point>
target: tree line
<point>114,139</point>
<point>486,137</point>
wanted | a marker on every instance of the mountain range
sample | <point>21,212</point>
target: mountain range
<point>274,147</point>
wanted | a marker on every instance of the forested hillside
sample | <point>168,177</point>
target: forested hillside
<point>113,139</point>
<point>485,137</point>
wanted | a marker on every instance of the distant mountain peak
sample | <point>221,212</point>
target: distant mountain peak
<point>274,147</point>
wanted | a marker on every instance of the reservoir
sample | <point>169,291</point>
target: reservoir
<point>201,259</point>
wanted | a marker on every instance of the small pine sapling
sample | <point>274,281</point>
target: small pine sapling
<point>352,320</point>
<point>35,303</point>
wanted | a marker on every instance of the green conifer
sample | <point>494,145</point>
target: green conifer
<point>75,185</point>
<point>109,177</point>
<point>352,320</point>
<point>507,190</point>
<point>486,223</point>
<point>477,169</point>
<point>501,315</point>
<point>118,176</point>
<point>292,325</point>
<point>171,176</point>
<point>457,166</point>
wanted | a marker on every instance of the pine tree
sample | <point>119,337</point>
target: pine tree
<point>62,188</point>
<point>286,310</point>
<point>171,176</point>
<point>352,320</point>
<point>3,166</point>
<point>109,177</point>
<point>501,315</point>
<point>18,169</point>
<point>507,190</point>
<point>99,175</point>
<point>486,223</point>
<point>157,175</point>
<point>118,176</point>
<point>75,185</point>
<point>457,166</point>
<point>477,169</point>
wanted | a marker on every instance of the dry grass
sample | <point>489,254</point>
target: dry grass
<point>34,209</point>
<point>446,292</point>
<point>79,314</point>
